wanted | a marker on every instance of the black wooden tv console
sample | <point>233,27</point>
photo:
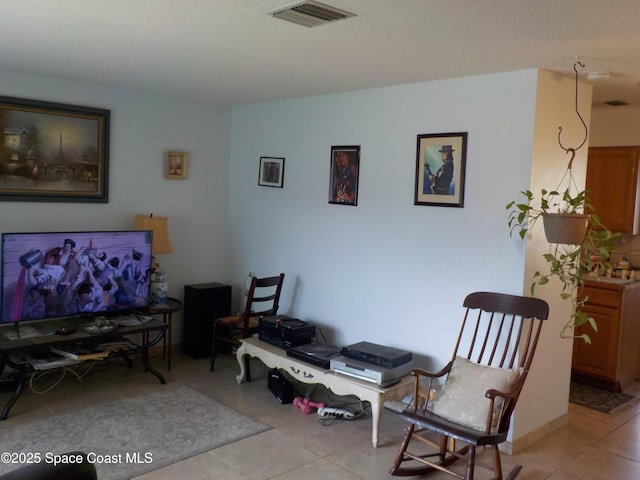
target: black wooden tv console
<point>12,348</point>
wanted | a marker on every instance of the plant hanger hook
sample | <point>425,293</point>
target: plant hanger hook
<point>586,130</point>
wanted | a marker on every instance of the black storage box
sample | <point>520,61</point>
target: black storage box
<point>284,331</point>
<point>281,388</point>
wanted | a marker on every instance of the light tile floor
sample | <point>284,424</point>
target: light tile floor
<point>592,445</point>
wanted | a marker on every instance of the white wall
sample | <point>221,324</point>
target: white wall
<point>546,392</point>
<point>615,127</point>
<point>385,271</point>
<point>143,128</point>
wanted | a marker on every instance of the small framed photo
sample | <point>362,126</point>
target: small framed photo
<point>271,172</point>
<point>176,165</point>
<point>440,169</point>
<point>343,177</point>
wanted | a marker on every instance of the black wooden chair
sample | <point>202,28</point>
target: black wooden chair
<point>263,298</point>
<point>482,383</point>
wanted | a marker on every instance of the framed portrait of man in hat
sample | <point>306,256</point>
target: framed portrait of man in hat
<point>440,168</point>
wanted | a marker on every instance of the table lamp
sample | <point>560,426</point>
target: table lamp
<point>158,288</point>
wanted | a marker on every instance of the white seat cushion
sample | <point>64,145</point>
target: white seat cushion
<point>462,398</point>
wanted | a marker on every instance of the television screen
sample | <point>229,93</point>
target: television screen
<point>46,275</point>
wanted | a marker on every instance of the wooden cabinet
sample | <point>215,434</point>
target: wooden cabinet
<point>612,359</point>
<point>612,183</point>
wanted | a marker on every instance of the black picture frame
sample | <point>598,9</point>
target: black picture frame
<point>53,152</point>
<point>344,173</point>
<point>271,172</point>
<point>440,181</point>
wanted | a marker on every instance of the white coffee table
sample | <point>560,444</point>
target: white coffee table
<point>275,357</point>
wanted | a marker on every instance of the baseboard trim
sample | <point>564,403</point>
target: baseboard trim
<point>511,448</point>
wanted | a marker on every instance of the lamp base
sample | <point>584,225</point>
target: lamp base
<point>159,294</point>
<point>158,288</point>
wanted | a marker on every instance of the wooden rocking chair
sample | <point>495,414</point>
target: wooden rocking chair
<point>482,382</point>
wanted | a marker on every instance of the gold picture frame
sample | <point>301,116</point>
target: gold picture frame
<point>53,152</point>
<point>176,165</point>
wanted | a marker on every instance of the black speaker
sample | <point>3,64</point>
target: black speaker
<point>202,303</point>
<point>280,386</point>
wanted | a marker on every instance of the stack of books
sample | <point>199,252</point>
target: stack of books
<point>81,352</point>
<point>45,361</point>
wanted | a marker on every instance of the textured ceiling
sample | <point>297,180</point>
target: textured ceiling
<point>231,52</point>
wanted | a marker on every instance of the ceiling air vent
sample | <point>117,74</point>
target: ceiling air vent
<point>310,13</point>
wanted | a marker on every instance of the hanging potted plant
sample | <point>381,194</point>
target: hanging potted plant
<point>574,231</point>
<point>569,224</point>
<point>569,259</point>
<point>566,216</point>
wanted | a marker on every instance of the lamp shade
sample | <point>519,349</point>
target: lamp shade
<point>159,226</point>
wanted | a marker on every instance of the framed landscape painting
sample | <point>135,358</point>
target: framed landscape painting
<point>440,169</point>
<point>52,152</point>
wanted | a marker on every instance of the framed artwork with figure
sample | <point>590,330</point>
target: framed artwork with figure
<point>440,169</point>
<point>343,175</point>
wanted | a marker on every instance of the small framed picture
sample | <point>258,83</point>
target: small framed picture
<point>176,165</point>
<point>343,176</point>
<point>271,172</point>
<point>440,169</point>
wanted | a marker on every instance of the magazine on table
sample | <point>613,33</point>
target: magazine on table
<point>81,352</point>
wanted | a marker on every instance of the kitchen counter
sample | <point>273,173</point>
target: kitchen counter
<point>626,284</point>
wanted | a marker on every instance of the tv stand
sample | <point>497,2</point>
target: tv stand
<point>10,348</point>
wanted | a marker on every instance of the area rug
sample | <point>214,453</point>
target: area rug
<point>135,435</point>
<point>596,398</point>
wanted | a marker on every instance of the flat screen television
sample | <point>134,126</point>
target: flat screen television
<point>65,274</point>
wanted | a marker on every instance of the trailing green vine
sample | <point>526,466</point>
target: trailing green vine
<point>568,263</point>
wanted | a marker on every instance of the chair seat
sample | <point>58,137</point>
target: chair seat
<point>442,426</point>
<point>232,320</point>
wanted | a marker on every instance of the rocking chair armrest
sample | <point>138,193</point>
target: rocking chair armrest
<point>423,393</point>
<point>419,372</point>
<point>509,395</point>
<point>500,412</point>
<point>492,393</point>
